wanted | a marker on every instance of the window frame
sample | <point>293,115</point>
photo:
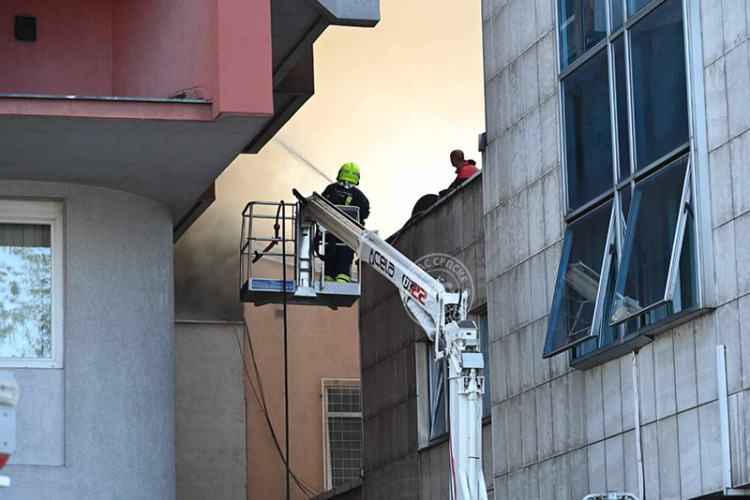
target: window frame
<point>698,166</point>
<point>684,208</point>
<point>327,383</point>
<point>47,213</point>
<point>598,312</point>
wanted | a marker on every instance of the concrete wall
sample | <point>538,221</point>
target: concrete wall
<point>395,465</point>
<point>224,446</point>
<point>212,49</point>
<point>103,426</point>
<point>72,54</point>
<point>161,47</point>
<point>563,432</point>
<point>210,412</point>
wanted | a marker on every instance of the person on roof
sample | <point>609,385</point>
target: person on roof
<point>464,170</point>
<point>338,257</point>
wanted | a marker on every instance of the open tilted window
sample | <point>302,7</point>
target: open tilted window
<point>630,255</point>
<point>586,257</point>
<point>658,264</point>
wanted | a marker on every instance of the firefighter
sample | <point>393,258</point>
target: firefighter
<point>464,170</point>
<point>338,258</point>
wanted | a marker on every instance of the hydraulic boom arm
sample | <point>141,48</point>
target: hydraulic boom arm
<point>442,315</point>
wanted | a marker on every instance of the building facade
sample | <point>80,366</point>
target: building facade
<point>615,216</point>
<point>405,431</point>
<point>616,220</point>
<point>116,119</point>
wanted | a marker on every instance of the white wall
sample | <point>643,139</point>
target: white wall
<point>103,426</point>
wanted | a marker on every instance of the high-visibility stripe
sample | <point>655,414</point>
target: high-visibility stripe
<point>344,278</point>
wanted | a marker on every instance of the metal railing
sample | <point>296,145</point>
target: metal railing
<point>325,234</point>
<point>266,227</point>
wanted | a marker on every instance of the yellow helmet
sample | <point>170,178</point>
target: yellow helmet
<point>349,172</point>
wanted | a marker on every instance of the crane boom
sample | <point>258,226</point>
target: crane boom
<point>442,315</point>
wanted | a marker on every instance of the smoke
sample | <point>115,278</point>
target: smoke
<point>395,99</point>
<point>207,258</point>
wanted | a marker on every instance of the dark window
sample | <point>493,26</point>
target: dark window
<point>438,394</point>
<point>578,280</point>
<point>595,22</point>
<point>657,211</point>
<point>621,94</point>
<point>617,14</point>
<point>588,134</point>
<point>583,24</point>
<point>660,111</point>
<point>629,253</point>
<point>635,6</point>
<point>440,390</point>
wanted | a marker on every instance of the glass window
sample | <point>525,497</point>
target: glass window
<point>25,291</point>
<point>571,40</point>
<point>583,24</point>
<point>609,335</point>
<point>616,278</point>
<point>617,14</point>
<point>595,22</point>
<point>685,289</point>
<point>621,94</point>
<point>343,418</point>
<point>588,140</point>
<point>31,313</point>
<point>660,108</point>
<point>577,287</point>
<point>635,6</point>
<point>655,216</point>
<point>625,197</point>
<point>438,395</point>
<point>438,379</point>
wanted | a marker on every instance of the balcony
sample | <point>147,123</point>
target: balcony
<point>140,59</point>
<point>154,97</point>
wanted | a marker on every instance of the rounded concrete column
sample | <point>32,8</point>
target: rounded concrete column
<point>103,426</point>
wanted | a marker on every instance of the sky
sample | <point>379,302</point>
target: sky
<point>395,99</point>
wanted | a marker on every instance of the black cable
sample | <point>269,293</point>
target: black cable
<point>286,344</point>
<point>260,399</point>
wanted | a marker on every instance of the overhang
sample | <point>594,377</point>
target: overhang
<point>169,149</point>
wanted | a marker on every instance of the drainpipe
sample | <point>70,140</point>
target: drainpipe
<point>637,413</point>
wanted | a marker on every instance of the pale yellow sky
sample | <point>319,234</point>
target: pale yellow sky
<point>395,99</point>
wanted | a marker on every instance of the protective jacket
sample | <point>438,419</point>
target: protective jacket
<point>465,171</point>
<point>349,195</point>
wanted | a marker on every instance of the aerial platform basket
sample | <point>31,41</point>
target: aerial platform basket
<point>268,228</point>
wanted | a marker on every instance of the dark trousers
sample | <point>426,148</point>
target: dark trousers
<point>338,258</point>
